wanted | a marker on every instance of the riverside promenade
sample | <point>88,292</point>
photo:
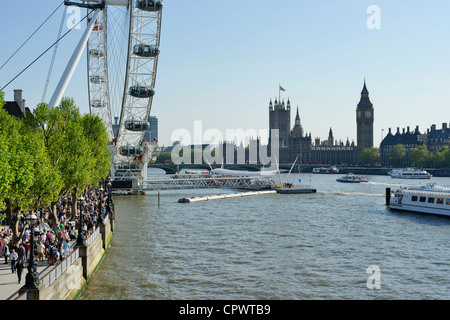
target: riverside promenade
<point>64,279</point>
<point>9,281</point>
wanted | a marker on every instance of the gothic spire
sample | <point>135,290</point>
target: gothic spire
<point>365,92</point>
<point>365,101</point>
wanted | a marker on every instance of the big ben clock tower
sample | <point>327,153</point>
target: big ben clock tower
<point>364,121</point>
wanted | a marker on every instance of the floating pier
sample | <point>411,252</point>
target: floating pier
<point>176,182</point>
<point>295,190</point>
<point>226,196</point>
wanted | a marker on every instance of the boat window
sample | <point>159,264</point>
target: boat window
<point>422,199</point>
<point>440,201</point>
<point>448,201</point>
<point>430,200</point>
<point>414,198</point>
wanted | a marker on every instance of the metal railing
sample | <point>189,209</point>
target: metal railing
<point>93,236</point>
<point>17,296</point>
<point>62,266</point>
<point>202,182</point>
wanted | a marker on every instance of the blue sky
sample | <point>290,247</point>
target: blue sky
<point>222,61</point>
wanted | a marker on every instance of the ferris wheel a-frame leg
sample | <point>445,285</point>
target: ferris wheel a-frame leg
<point>71,66</point>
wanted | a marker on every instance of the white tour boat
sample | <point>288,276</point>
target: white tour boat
<point>351,178</point>
<point>430,199</point>
<point>329,170</point>
<point>409,173</point>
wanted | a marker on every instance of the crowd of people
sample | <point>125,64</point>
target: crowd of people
<point>53,243</point>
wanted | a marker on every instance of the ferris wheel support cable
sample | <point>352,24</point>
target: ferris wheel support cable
<point>68,72</point>
<point>65,34</point>
<point>53,57</point>
<point>31,36</point>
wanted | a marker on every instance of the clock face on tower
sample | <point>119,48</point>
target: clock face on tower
<point>368,114</point>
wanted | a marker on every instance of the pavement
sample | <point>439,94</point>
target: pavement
<point>9,283</point>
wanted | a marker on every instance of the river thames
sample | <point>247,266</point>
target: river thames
<point>291,247</point>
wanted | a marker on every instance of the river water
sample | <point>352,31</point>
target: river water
<point>292,247</point>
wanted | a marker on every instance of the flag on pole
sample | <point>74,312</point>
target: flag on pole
<point>282,89</point>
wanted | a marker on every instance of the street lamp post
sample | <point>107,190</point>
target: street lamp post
<point>108,204</point>
<point>32,277</point>
<point>100,207</point>
<point>80,240</point>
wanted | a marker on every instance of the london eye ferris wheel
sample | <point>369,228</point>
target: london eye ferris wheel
<point>122,59</point>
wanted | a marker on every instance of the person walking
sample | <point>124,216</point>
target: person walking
<point>6,252</point>
<point>57,249</point>
<point>19,268</point>
<point>40,251</point>
<point>72,233</point>
<point>66,248</point>
<point>13,258</point>
<point>51,254</point>
<point>21,252</point>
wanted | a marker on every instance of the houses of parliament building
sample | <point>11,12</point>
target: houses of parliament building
<point>295,142</point>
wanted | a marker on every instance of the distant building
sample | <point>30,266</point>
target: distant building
<point>115,126</point>
<point>299,145</point>
<point>433,140</point>
<point>151,135</point>
<point>295,143</point>
<point>280,118</point>
<point>436,139</point>
<point>364,120</point>
<point>17,107</point>
<point>409,139</point>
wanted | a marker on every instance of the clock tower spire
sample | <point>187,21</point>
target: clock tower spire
<point>364,120</point>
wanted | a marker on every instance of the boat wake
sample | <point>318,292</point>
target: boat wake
<point>349,193</point>
<point>383,184</point>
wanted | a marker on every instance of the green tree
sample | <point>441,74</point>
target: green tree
<point>97,138</point>
<point>397,155</point>
<point>5,172</point>
<point>47,181</point>
<point>441,158</point>
<point>21,164</point>
<point>47,155</point>
<point>2,99</point>
<point>6,145</point>
<point>69,147</point>
<point>369,156</point>
<point>446,162</point>
<point>418,155</point>
<point>163,157</point>
<point>72,150</point>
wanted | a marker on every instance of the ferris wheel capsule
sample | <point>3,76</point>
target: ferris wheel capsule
<point>131,150</point>
<point>97,103</point>
<point>144,50</point>
<point>97,26</point>
<point>96,53</point>
<point>149,5</point>
<point>125,165</point>
<point>141,91</point>
<point>136,125</point>
<point>96,79</point>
